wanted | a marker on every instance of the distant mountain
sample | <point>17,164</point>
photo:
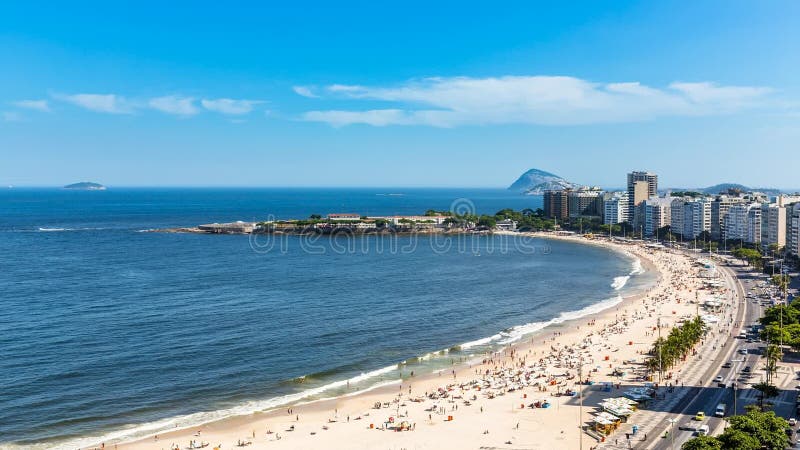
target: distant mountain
<point>85,186</point>
<point>726,187</point>
<point>535,182</point>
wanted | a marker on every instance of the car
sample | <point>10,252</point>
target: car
<point>746,369</point>
<point>749,340</point>
<point>792,422</point>
<point>728,365</point>
<point>702,430</point>
<point>742,351</point>
<point>690,426</point>
<point>718,378</point>
<point>700,416</point>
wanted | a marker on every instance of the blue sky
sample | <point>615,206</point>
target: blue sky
<point>400,94</point>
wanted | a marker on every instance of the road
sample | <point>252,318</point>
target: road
<point>706,397</point>
<point>708,394</point>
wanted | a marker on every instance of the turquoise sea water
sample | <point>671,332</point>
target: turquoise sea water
<point>108,332</point>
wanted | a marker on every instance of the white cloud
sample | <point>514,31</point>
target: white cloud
<point>170,104</point>
<point>10,116</point>
<point>36,105</point>
<point>229,106</point>
<point>377,117</point>
<point>706,92</point>
<point>107,103</point>
<point>305,91</point>
<point>546,100</point>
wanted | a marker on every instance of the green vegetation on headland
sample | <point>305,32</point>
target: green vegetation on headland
<point>430,221</point>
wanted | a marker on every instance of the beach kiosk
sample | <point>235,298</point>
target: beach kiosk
<point>606,423</point>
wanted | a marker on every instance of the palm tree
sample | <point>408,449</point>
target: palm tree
<point>766,390</point>
<point>677,345</point>
<point>774,354</point>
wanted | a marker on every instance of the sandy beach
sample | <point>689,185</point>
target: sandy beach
<point>494,400</point>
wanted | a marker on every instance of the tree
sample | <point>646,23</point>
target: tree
<point>766,427</point>
<point>782,281</point>
<point>765,390</point>
<point>433,212</point>
<point>733,439</point>
<point>487,221</point>
<point>773,354</point>
<point>754,430</point>
<point>702,443</point>
<point>666,352</point>
<point>752,256</point>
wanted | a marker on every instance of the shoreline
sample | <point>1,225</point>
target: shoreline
<point>387,387</point>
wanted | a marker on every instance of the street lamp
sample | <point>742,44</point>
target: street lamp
<point>734,398</point>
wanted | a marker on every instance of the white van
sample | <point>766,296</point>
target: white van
<point>702,430</point>
<point>720,411</point>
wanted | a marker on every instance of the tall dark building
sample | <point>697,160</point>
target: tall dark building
<point>556,204</point>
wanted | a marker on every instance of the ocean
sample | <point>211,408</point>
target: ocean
<point>110,332</point>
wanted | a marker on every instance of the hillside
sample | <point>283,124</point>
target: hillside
<point>85,186</point>
<point>535,182</point>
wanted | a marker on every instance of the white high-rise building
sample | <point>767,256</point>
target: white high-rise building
<point>719,210</point>
<point>657,213</point>
<point>743,222</point>
<point>773,224</point>
<point>696,217</point>
<point>676,215</point>
<point>615,208</point>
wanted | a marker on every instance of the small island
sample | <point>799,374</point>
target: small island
<point>85,186</point>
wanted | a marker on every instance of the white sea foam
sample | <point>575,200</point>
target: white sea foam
<point>193,420</point>
<point>483,341</point>
<point>619,282</point>
<point>518,332</point>
<point>637,267</point>
<point>373,374</point>
<point>56,229</point>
